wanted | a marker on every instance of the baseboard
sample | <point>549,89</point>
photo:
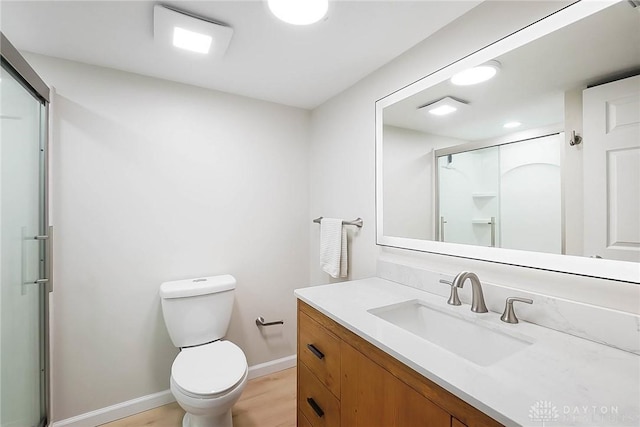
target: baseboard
<point>272,366</point>
<point>117,411</point>
<point>151,401</point>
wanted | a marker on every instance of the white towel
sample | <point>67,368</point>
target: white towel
<point>333,247</point>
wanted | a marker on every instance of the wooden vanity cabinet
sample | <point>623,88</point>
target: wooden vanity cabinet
<point>345,381</point>
<point>371,396</point>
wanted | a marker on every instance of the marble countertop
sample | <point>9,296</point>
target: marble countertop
<point>559,380</point>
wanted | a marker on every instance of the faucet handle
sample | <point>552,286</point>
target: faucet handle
<point>509,315</point>
<point>453,298</point>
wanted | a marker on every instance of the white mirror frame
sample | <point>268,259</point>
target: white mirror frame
<point>583,266</point>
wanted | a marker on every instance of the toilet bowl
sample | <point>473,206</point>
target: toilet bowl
<point>207,381</point>
<point>209,374</point>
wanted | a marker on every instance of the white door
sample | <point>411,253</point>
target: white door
<point>612,170</point>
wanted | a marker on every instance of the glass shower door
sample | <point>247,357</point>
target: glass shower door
<point>21,255</point>
<point>468,184</point>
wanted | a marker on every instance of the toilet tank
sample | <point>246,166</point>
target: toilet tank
<point>197,311</point>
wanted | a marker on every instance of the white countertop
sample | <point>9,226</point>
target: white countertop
<point>559,380</point>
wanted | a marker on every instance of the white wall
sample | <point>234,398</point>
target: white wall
<point>342,166</point>
<point>408,181</point>
<point>530,200</point>
<point>572,175</point>
<point>408,169</point>
<point>158,181</point>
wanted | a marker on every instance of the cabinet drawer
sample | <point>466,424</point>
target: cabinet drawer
<point>315,401</point>
<point>319,349</point>
<point>373,397</point>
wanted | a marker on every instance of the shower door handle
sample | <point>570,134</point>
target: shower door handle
<point>492,223</point>
<point>442,223</point>
<point>42,281</point>
<point>48,259</point>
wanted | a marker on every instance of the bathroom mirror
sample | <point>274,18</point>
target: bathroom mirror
<point>521,171</point>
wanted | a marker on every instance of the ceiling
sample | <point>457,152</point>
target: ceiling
<point>533,79</point>
<point>267,59</point>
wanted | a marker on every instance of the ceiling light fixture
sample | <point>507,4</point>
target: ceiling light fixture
<point>443,106</point>
<point>511,125</point>
<point>299,12</point>
<point>190,32</point>
<point>443,110</point>
<point>477,74</point>
<point>190,40</point>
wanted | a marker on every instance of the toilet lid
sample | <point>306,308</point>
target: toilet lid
<point>209,369</point>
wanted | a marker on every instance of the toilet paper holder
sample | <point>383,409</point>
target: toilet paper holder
<point>260,322</point>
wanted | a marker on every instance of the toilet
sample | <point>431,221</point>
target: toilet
<point>209,373</point>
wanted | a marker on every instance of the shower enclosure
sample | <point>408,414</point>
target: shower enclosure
<point>25,242</point>
<point>506,195</point>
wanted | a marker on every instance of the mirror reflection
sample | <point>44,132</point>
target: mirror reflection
<point>506,195</point>
<point>540,153</point>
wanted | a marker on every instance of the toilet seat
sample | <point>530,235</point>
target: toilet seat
<point>209,370</point>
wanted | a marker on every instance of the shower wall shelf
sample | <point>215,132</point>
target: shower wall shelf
<point>483,194</point>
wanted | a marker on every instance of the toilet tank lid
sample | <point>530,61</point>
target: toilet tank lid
<point>198,286</point>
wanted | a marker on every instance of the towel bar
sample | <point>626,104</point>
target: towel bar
<point>357,222</point>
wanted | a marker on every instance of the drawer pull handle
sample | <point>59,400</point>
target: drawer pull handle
<point>316,408</point>
<point>312,348</point>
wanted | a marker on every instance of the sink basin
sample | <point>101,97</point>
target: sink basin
<point>451,331</point>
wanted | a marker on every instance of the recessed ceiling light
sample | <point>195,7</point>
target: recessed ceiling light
<point>187,31</point>
<point>191,40</point>
<point>443,110</point>
<point>298,12</point>
<point>477,74</point>
<point>511,125</point>
<point>442,107</point>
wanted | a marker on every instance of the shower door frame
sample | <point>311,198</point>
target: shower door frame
<point>14,63</point>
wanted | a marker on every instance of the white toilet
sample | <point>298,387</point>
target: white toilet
<point>209,374</point>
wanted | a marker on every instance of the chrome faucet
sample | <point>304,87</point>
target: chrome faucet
<point>453,297</point>
<point>477,301</point>
<point>509,315</point>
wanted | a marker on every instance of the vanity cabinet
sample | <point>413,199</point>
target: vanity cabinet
<point>345,381</point>
<point>372,396</point>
